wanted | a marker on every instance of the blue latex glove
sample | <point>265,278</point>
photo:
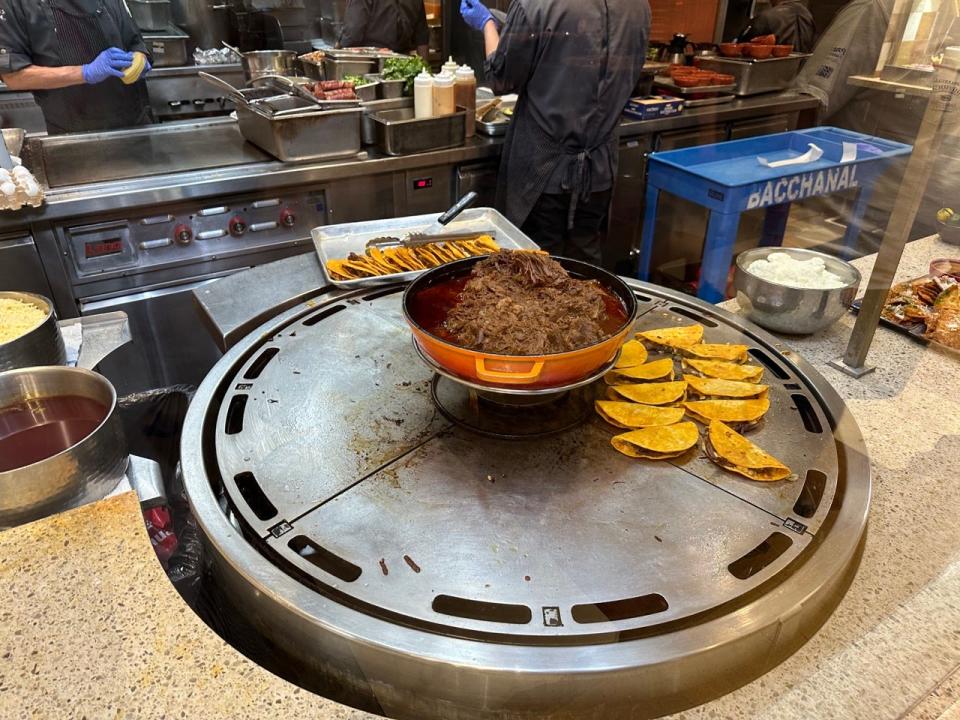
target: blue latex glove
<point>475,13</point>
<point>147,67</point>
<point>110,63</point>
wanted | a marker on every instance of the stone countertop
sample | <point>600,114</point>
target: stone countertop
<point>91,628</point>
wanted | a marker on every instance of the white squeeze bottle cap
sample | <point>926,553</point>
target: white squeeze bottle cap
<point>465,72</point>
<point>449,66</point>
<point>444,79</point>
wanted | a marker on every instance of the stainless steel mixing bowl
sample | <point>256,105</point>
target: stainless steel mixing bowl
<point>88,470</point>
<point>43,345</point>
<point>793,310</point>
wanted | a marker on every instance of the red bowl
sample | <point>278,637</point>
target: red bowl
<point>757,52</point>
<point>782,50</point>
<point>731,49</point>
<point>721,79</point>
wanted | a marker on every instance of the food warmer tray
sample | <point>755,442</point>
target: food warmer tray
<point>368,129</point>
<point>310,135</point>
<point>757,76</point>
<point>684,92</point>
<point>399,132</point>
<point>335,242</point>
<point>397,561</point>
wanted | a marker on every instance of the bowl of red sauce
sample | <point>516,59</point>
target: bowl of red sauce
<point>482,329</point>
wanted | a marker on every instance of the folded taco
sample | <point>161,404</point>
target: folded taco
<point>657,443</point>
<point>705,351</point>
<point>673,338</point>
<point>634,415</point>
<point>656,370</point>
<point>632,353</point>
<point>723,370</point>
<point>713,388</point>
<point>732,451</point>
<point>651,393</point>
<point>739,414</point>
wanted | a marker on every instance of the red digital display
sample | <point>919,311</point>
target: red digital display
<point>100,248</point>
<point>422,183</point>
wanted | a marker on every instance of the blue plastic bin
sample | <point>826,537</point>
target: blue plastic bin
<point>727,179</point>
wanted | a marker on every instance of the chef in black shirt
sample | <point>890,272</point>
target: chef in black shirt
<point>790,20</point>
<point>71,54</point>
<point>400,25</point>
<point>574,64</point>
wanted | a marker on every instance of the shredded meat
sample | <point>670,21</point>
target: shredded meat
<point>523,303</point>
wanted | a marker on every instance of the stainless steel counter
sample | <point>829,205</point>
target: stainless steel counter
<point>174,172</point>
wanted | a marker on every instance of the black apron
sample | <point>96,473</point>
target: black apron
<point>531,157</point>
<point>84,29</point>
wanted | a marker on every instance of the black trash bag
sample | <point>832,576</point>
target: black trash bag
<point>152,423</point>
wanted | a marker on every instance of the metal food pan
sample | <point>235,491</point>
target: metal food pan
<point>168,47</point>
<point>335,242</point>
<point>306,136</point>
<point>495,127</point>
<point>334,69</point>
<point>368,130</point>
<point>368,92</point>
<point>312,70</point>
<point>400,133</point>
<point>757,76</point>
<point>386,89</point>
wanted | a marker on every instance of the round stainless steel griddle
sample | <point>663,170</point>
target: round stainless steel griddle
<point>441,573</point>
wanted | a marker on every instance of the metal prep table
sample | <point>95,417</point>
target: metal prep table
<point>134,219</point>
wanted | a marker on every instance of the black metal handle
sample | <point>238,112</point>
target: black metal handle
<point>462,204</point>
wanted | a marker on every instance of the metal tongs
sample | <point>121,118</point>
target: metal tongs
<point>432,234</point>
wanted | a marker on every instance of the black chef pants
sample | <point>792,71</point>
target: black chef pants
<point>547,225</point>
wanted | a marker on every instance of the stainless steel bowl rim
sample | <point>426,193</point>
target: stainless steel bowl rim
<point>16,294</point>
<point>747,256</point>
<point>60,368</point>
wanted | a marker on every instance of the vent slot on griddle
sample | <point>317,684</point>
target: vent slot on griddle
<point>253,495</point>
<point>324,559</point>
<point>760,557</point>
<point>482,610</point>
<point>620,609</point>
<point>812,493</point>
<point>253,372</point>
<point>810,420</point>
<point>323,315</point>
<point>766,360</point>
<point>234,422</point>
<point>693,316</point>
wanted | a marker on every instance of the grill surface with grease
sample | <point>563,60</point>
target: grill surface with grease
<point>436,572</point>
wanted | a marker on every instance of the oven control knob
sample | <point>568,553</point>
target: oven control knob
<point>287,218</point>
<point>182,234</point>
<point>238,226</point>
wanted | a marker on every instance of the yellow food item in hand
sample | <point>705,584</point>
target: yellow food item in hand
<point>133,73</point>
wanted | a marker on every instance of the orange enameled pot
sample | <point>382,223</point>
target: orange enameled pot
<point>521,372</point>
